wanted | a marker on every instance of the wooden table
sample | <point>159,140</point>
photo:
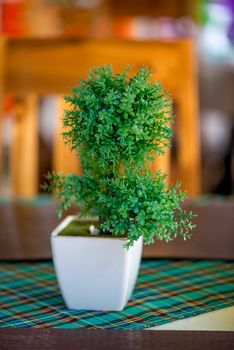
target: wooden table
<point>41,339</point>
<point>24,235</point>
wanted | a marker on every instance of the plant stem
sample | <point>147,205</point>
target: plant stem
<point>103,232</point>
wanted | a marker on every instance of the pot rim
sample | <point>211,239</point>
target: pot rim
<point>69,218</point>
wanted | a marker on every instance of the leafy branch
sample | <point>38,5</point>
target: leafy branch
<point>116,123</point>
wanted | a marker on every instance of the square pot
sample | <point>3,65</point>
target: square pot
<point>94,272</point>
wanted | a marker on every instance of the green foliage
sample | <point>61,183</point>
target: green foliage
<point>115,124</point>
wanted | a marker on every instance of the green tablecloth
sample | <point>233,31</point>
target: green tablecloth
<point>166,290</point>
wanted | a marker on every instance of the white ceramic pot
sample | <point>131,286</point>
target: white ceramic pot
<point>95,273</point>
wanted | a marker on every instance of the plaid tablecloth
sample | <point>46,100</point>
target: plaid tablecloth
<point>166,290</point>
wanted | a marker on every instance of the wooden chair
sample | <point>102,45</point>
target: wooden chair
<point>32,67</point>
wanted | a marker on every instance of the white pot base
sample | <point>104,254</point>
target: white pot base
<point>95,273</point>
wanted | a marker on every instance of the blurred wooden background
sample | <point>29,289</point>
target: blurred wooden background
<point>35,67</point>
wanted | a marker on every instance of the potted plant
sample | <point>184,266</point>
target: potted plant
<point>115,123</point>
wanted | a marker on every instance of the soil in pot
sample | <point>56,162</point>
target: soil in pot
<point>80,228</point>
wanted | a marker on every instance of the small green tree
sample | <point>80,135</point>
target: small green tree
<point>115,123</point>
